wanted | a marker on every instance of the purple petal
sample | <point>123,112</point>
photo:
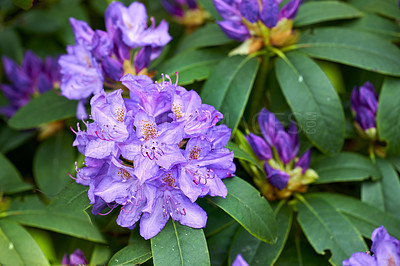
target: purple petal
<point>259,146</point>
<point>289,11</point>
<point>112,68</point>
<point>77,258</point>
<point>83,33</point>
<point>304,161</point>
<point>239,261</point>
<point>284,147</point>
<point>269,13</point>
<point>269,126</point>
<point>276,177</point>
<point>368,97</point>
<point>171,8</point>
<point>250,10</point>
<point>294,137</point>
<point>228,10</point>
<point>365,118</point>
<point>234,30</point>
<point>360,259</point>
<point>142,58</point>
<point>152,224</point>
<point>32,65</point>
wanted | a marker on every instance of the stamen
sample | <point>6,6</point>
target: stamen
<point>177,77</point>
<point>74,178</point>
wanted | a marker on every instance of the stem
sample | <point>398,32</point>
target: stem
<point>371,152</point>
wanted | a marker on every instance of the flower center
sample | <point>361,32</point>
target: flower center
<point>124,174</point>
<point>120,113</point>
<point>148,130</point>
<point>194,153</point>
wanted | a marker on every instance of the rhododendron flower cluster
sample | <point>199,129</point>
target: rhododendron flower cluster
<point>103,57</point>
<point>33,76</point>
<point>154,154</point>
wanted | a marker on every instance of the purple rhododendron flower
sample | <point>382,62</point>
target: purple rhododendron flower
<point>177,7</point>
<point>101,58</point>
<point>76,258</point>
<point>33,76</point>
<point>278,148</point>
<point>153,155</point>
<point>385,248</point>
<point>239,261</point>
<point>364,105</point>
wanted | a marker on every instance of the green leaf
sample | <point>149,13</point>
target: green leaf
<point>24,4</point>
<point>209,35</point>
<point>100,255</point>
<point>326,228</point>
<point>219,244</point>
<point>46,108</point>
<point>354,48</point>
<point>387,8</point>
<point>388,122</point>
<point>372,23</point>
<point>32,212</point>
<point>316,12</point>
<point>364,216</point>
<point>132,254</point>
<point>191,65</point>
<point>344,167</point>
<point>53,160</point>
<point>249,209</point>
<point>38,21</point>
<point>11,139</point>
<point>256,252</point>
<point>209,7</point>
<point>372,193</point>
<point>229,87</point>
<point>241,154</point>
<point>179,245</point>
<point>17,247</point>
<point>396,162</point>
<point>390,186</point>
<point>313,100</point>
<point>10,179</point>
<point>10,44</point>
<point>74,197</point>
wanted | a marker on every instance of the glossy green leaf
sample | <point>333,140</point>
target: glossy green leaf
<point>191,65</point>
<point>249,209</point>
<point>209,35</point>
<point>354,48</point>
<point>344,167</point>
<point>388,122</point>
<point>24,4</point>
<point>316,12</point>
<point>256,252</point>
<point>229,87</point>
<point>132,254</point>
<point>17,247</point>
<point>45,108</point>
<point>209,6</point>
<point>372,193</point>
<point>326,228</point>
<point>32,212</point>
<point>390,186</point>
<point>364,216</point>
<point>381,26</point>
<point>313,100</point>
<point>10,179</point>
<point>179,245</point>
<point>73,197</point>
<point>387,8</point>
<point>53,160</point>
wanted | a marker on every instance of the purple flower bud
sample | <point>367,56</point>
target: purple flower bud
<point>386,251</point>
<point>239,261</point>
<point>76,258</point>
<point>269,126</point>
<point>234,30</point>
<point>276,177</point>
<point>289,11</point>
<point>304,161</point>
<point>269,13</point>
<point>259,146</point>
<point>249,10</point>
<point>364,103</point>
